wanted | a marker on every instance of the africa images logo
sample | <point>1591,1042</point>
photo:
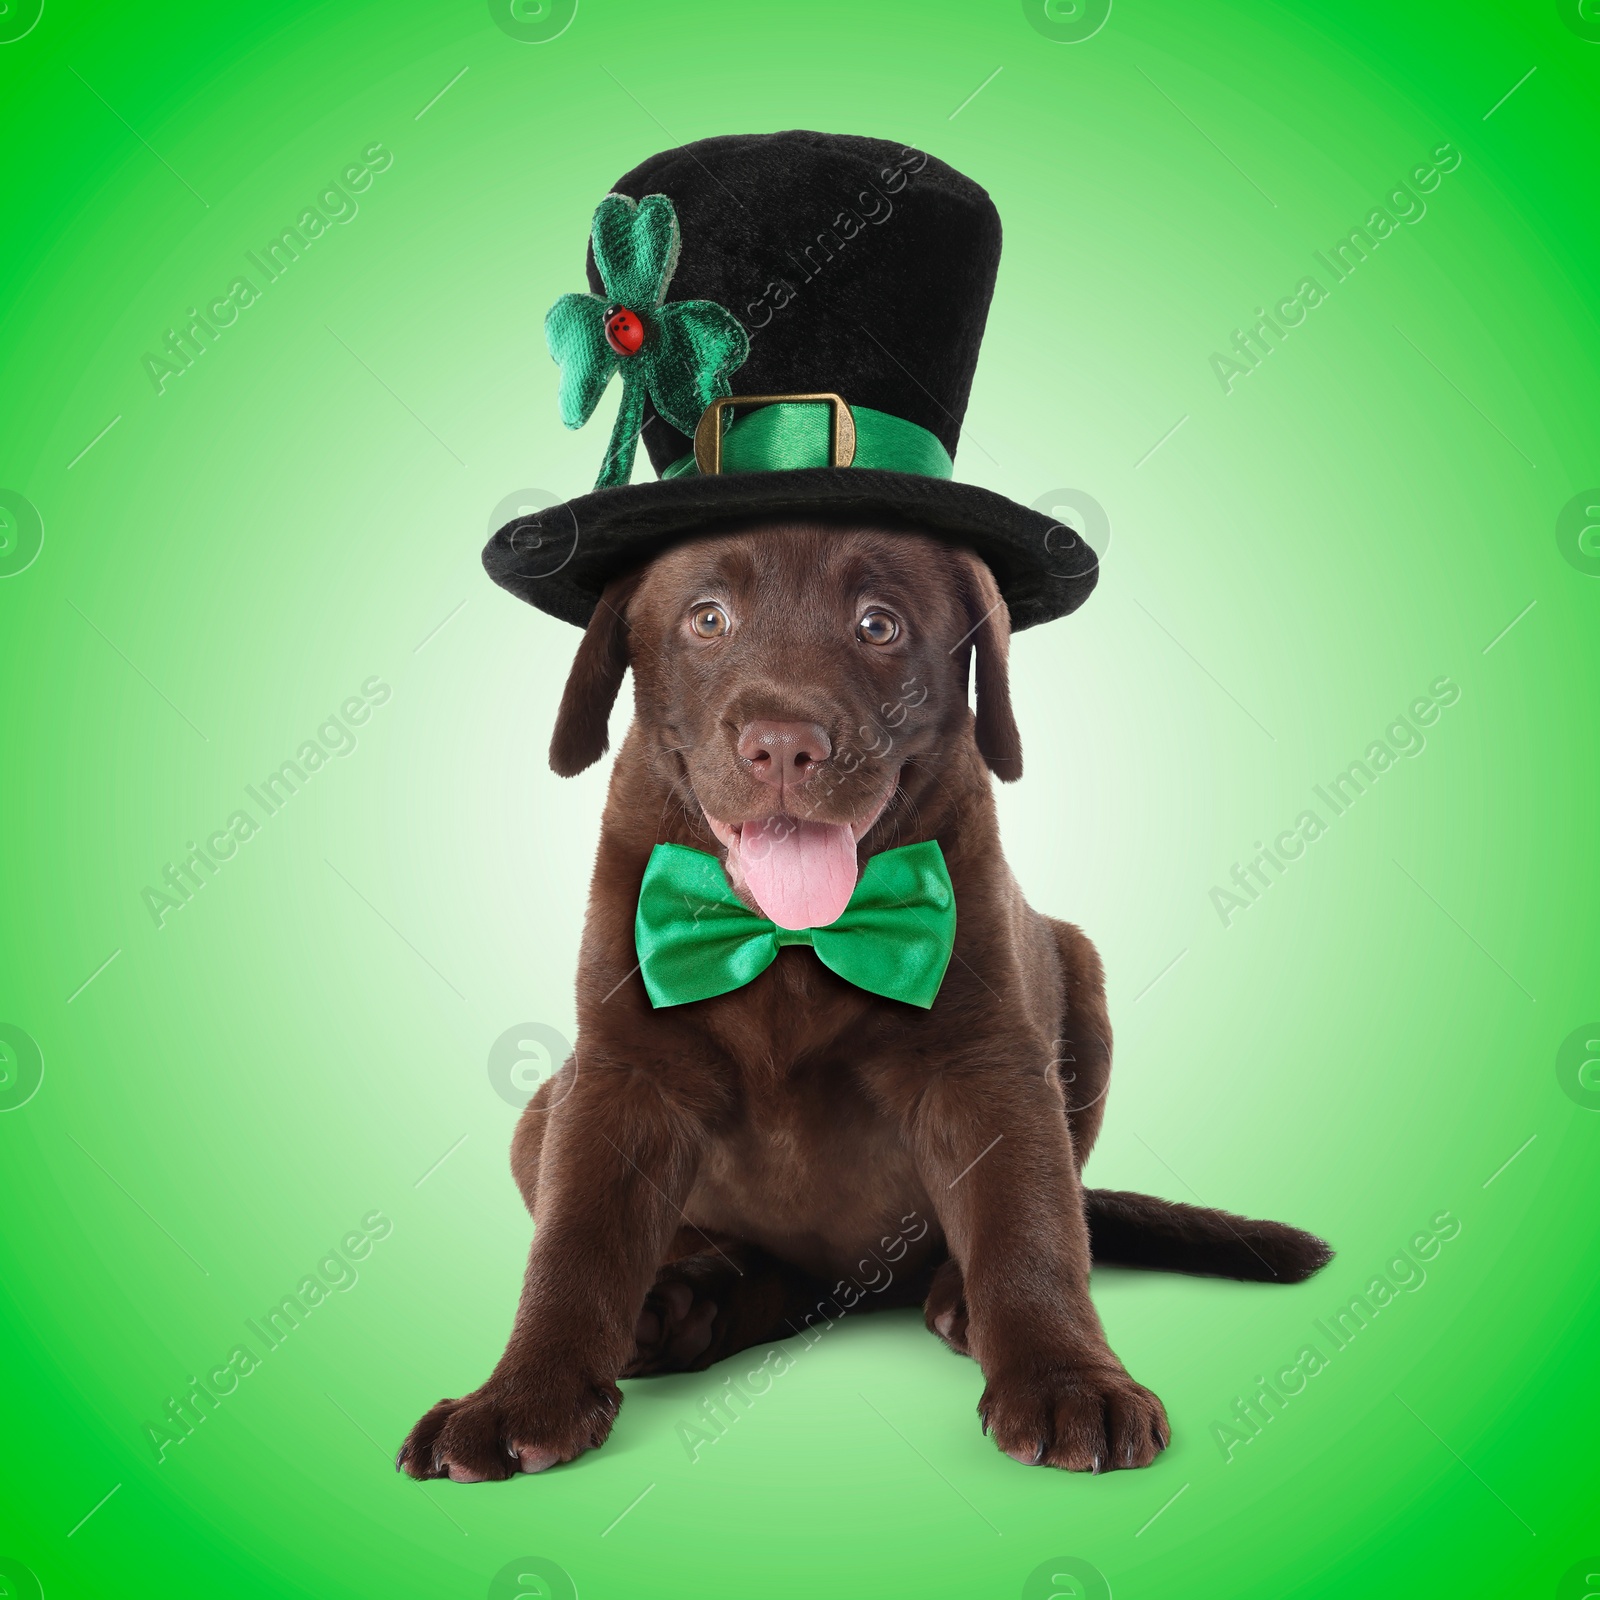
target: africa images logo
<point>336,737</point>
<point>1400,205</point>
<point>1403,737</point>
<point>335,203</point>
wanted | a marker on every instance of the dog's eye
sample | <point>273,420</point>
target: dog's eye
<point>877,627</point>
<point>709,621</point>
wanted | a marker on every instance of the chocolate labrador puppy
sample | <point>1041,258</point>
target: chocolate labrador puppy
<point>714,1175</point>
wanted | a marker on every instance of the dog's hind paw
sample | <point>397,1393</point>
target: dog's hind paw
<point>945,1311</point>
<point>1084,1418</point>
<point>509,1428</point>
<point>674,1329</point>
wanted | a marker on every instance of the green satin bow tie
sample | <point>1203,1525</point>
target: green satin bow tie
<point>697,939</point>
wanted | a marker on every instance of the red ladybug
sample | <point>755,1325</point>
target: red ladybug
<point>624,331</point>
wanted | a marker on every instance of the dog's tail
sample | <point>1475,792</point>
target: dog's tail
<point>1138,1230</point>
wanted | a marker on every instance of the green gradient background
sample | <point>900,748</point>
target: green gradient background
<point>1364,1047</point>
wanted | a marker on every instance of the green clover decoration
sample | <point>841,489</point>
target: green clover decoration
<point>677,355</point>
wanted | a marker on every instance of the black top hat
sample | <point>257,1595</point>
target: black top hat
<point>852,268</point>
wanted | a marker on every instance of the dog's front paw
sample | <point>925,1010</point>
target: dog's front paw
<point>510,1426</point>
<point>1083,1416</point>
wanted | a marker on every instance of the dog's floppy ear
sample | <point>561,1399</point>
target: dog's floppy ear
<point>580,736</point>
<point>989,622</point>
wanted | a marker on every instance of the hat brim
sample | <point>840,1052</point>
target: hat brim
<point>560,559</point>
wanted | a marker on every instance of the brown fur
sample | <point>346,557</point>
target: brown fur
<point>705,1177</point>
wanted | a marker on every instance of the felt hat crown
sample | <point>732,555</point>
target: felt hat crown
<point>842,285</point>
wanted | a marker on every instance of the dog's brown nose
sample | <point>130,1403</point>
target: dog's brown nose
<point>783,752</point>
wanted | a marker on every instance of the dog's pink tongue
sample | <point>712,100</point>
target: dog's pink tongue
<point>801,873</point>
